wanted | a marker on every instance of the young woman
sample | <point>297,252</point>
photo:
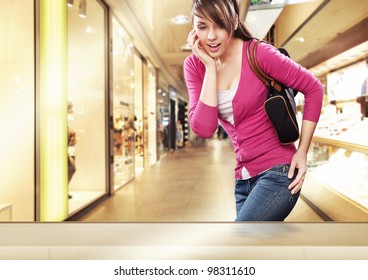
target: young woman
<point>222,88</point>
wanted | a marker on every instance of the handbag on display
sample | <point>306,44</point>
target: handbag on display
<point>279,105</point>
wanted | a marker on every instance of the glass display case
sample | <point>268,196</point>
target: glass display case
<point>337,181</point>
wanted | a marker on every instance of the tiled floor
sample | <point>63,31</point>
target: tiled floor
<point>191,185</point>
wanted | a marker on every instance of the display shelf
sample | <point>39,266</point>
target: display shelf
<point>339,172</point>
<point>343,130</point>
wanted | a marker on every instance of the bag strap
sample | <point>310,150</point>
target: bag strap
<point>267,80</point>
<point>254,64</point>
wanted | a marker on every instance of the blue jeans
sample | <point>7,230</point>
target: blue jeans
<point>265,197</point>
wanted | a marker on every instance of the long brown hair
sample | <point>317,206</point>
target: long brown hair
<point>225,13</point>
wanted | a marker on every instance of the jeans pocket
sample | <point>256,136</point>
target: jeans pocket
<point>293,199</point>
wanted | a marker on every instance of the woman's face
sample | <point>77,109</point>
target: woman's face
<point>213,39</point>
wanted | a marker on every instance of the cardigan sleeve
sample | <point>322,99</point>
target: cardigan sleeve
<point>203,119</point>
<point>293,75</point>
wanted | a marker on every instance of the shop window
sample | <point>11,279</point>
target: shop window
<point>151,114</point>
<point>182,124</point>
<point>87,68</point>
<point>124,122</point>
<point>162,122</point>
<point>17,111</point>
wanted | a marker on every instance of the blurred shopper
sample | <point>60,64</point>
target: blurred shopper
<point>222,88</point>
<point>362,99</point>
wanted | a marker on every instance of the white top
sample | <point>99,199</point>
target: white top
<point>225,106</point>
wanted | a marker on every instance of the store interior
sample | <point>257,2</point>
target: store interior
<point>123,119</point>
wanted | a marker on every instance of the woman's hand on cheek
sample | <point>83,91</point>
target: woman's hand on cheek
<point>198,50</point>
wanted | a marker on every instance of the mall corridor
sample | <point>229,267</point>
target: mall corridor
<point>96,110</point>
<point>194,184</point>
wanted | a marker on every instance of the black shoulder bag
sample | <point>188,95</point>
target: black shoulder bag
<point>280,103</point>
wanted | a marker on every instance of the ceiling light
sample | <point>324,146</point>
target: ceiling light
<point>89,29</point>
<point>180,19</point>
<point>290,2</point>
<point>82,8</point>
<point>301,39</point>
<point>70,3</point>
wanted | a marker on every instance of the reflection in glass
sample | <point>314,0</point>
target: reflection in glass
<point>86,91</point>
<point>124,130</point>
<point>72,141</point>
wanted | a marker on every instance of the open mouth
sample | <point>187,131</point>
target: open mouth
<point>213,47</point>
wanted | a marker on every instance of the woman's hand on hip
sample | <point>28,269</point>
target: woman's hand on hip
<point>299,161</point>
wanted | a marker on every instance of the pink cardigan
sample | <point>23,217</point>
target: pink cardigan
<point>253,137</point>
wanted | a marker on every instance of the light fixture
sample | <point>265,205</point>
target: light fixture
<point>291,2</point>
<point>89,29</point>
<point>180,19</point>
<point>53,181</point>
<point>82,8</point>
<point>70,3</point>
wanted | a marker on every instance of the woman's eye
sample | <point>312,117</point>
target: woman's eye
<point>201,27</point>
